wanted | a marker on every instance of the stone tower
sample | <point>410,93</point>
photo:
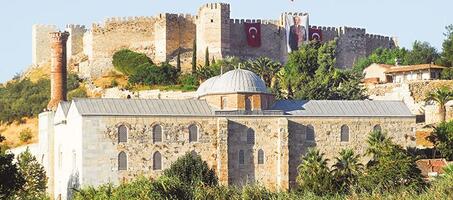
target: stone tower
<point>58,72</point>
<point>213,31</point>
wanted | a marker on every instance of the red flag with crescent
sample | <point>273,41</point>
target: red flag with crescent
<point>253,32</point>
<point>315,34</point>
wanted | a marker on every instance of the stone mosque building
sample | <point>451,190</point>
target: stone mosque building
<point>234,124</point>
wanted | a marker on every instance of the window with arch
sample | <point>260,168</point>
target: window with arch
<point>122,133</point>
<point>157,133</point>
<point>310,133</point>
<point>260,157</point>
<point>377,128</point>
<point>193,133</point>
<point>224,102</point>
<point>250,136</point>
<point>248,103</point>
<point>241,157</point>
<point>122,161</point>
<point>344,133</point>
<point>157,161</point>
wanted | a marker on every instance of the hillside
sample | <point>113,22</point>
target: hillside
<point>12,132</point>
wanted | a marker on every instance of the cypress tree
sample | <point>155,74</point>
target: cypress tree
<point>194,57</point>
<point>206,57</point>
<point>178,61</point>
<point>213,60</point>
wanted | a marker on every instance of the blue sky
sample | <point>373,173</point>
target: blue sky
<point>409,20</point>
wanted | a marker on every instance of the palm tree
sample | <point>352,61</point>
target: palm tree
<point>266,68</point>
<point>314,175</point>
<point>441,96</point>
<point>378,143</point>
<point>347,169</point>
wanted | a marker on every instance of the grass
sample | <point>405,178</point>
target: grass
<point>12,132</point>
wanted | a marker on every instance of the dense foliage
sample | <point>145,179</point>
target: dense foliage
<point>442,138</point>
<point>24,98</point>
<point>192,170</point>
<point>10,178</point>
<point>447,47</point>
<point>150,74</point>
<point>128,62</point>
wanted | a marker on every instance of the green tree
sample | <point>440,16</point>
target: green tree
<point>206,58</point>
<point>11,179</point>
<point>192,170</point>
<point>314,175</point>
<point>447,74</point>
<point>422,53</point>
<point>391,169</point>
<point>34,175</point>
<point>127,61</point>
<point>346,170</point>
<point>442,138</point>
<point>441,96</point>
<point>447,47</point>
<point>266,68</point>
<point>149,74</point>
<point>194,57</point>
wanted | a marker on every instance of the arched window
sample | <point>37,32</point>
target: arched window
<point>122,134</point>
<point>260,156</point>
<point>193,133</point>
<point>157,161</point>
<point>344,133</point>
<point>377,128</point>
<point>224,103</point>
<point>248,103</point>
<point>241,157</point>
<point>157,133</point>
<point>310,133</point>
<point>250,136</point>
<point>122,161</point>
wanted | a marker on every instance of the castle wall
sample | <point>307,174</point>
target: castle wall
<point>41,42</point>
<point>327,136</point>
<point>75,40</point>
<point>271,36</point>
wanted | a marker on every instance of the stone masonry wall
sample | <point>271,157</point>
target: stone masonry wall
<point>75,40</point>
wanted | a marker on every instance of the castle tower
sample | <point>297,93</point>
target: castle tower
<point>213,31</point>
<point>58,72</point>
<point>41,42</point>
<point>75,40</point>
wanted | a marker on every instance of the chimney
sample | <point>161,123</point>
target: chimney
<point>58,73</point>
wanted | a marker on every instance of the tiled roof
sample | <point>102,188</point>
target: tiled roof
<point>343,108</point>
<point>413,68</point>
<point>143,107</point>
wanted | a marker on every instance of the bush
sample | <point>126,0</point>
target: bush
<point>447,74</point>
<point>25,135</point>
<point>127,61</point>
<point>149,74</point>
<point>77,93</point>
<point>192,170</point>
<point>442,138</point>
<point>188,80</point>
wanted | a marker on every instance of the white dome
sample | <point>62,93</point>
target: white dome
<point>237,80</point>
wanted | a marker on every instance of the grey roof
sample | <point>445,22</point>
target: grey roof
<point>343,108</point>
<point>65,107</point>
<point>143,107</point>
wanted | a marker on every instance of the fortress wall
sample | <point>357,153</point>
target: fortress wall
<point>328,33</point>
<point>173,32</point>
<point>41,42</point>
<point>378,41</point>
<point>271,36</point>
<point>75,40</point>
<point>213,31</point>
<point>351,46</point>
<point>136,33</point>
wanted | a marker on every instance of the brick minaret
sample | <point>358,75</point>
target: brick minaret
<point>58,73</point>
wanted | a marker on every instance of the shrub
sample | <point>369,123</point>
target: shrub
<point>170,188</point>
<point>442,137</point>
<point>447,74</point>
<point>149,74</point>
<point>25,135</point>
<point>192,170</point>
<point>127,61</point>
<point>188,80</point>
<point>77,93</point>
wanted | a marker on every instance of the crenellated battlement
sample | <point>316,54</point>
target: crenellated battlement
<point>265,21</point>
<point>76,26</point>
<point>215,6</point>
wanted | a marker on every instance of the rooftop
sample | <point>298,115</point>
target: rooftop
<point>409,68</point>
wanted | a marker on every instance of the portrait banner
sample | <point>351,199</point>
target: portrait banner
<point>296,31</point>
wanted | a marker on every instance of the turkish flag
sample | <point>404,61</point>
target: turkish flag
<point>253,32</point>
<point>315,34</point>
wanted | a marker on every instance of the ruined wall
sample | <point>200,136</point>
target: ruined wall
<point>41,42</point>
<point>272,35</point>
<point>327,136</point>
